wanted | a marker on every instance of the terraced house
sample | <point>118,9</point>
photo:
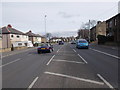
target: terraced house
<point>113,28</point>
<point>12,37</point>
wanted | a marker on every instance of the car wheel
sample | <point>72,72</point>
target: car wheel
<point>39,52</point>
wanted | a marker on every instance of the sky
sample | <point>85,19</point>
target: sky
<point>63,18</point>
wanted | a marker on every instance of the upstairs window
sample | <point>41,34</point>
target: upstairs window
<point>18,36</point>
<point>12,36</point>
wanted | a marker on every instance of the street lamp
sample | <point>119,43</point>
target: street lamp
<point>89,31</point>
<point>45,25</point>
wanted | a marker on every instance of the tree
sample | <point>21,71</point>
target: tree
<point>48,36</point>
<point>88,24</point>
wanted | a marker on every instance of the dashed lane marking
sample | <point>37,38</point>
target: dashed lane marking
<point>32,84</point>
<point>74,50</point>
<point>83,59</point>
<point>50,60</point>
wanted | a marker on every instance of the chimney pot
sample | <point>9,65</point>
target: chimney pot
<point>10,26</point>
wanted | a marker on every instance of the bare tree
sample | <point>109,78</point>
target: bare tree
<point>88,24</point>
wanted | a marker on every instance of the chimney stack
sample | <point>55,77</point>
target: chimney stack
<point>10,26</point>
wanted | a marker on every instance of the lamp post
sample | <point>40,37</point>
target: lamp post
<point>45,26</point>
<point>89,31</point>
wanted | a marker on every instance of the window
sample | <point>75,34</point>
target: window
<point>18,36</point>
<point>12,36</point>
<point>115,22</point>
<point>110,23</point>
<point>19,44</point>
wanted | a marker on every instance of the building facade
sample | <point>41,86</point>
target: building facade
<point>93,34</point>
<point>11,36</point>
<point>113,28</point>
<point>34,38</point>
<point>101,28</point>
<point>83,33</point>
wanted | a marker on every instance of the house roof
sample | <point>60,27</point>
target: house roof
<point>10,30</point>
<point>33,34</point>
<point>113,17</point>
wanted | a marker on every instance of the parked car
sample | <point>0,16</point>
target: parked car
<point>82,43</point>
<point>73,42</point>
<point>60,42</point>
<point>45,47</point>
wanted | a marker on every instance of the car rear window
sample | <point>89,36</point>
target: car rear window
<point>82,41</point>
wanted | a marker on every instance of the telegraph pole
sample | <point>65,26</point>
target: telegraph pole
<point>89,31</point>
<point>45,26</point>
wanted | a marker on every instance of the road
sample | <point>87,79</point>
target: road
<point>66,67</point>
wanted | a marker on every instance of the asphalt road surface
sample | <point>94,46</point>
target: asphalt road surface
<point>66,67</point>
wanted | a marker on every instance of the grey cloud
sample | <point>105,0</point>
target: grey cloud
<point>66,15</point>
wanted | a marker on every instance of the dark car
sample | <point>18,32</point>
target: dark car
<point>45,47</point>
<point>82,43</point>
<point>60,42</point>
<point>73,42</point>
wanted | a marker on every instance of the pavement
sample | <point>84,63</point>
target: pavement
<point>66,67</point>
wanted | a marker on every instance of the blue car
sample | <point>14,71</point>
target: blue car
<point>82,43</point>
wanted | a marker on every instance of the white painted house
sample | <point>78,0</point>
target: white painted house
<point>12,37</point>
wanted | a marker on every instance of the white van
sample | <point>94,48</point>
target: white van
<point>28,43</point>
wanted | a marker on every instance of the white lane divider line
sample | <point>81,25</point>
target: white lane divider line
<point>29,54</point>
<point>10,62</point>
<point>106,82</point>
<point>76,78</point>
<point>32,84</point>
<point>82,58</point>
<point>50,60</point>
<point>58,50</point>
<point>74,50</point>
<point>105,53</point>
<point>67,61</point>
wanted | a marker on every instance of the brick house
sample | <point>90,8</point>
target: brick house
<point>113,28</point>
<point>101,28</point>
<point>93,34</point>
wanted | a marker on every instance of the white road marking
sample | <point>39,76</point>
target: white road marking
<point>67,61</point>
<point>113,48</point>
<point>58,50</point>
<point>82,58</point>
<point>76,78</point>
<point>74,50</point>
<point>106,82</point>
<point>32,84</point>
<point>29,54</point>
<point>17,53</point>
<point>10,62</point>
<point>105,53</point>
<point>50,60</point>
